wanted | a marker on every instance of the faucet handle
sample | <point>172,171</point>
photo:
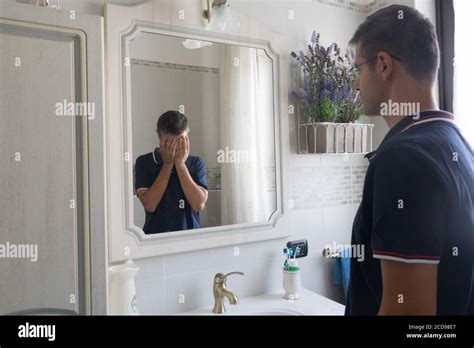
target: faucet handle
<point>228,274</point>
<point>221,278</point>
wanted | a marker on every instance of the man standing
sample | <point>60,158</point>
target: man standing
<point>171,183</point>
<point>416,216</point>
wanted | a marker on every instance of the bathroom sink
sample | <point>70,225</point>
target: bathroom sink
<point>310,303</point>
<point>275,312</point>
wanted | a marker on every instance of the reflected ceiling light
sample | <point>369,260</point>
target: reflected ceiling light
<point>195,44</point>
<point>219,16</point>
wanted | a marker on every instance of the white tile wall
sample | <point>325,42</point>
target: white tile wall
<point>187,263</point>
<point>316,187</point>
<point>150,268</point>
<point>309,224</point>
<point>338,224</point>
<point>150,295</point>
<point>268,274</point>
<point>187,291</point>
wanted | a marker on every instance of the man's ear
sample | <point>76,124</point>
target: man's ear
<point>385,65</point>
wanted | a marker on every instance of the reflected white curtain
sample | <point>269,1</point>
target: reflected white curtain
<point>464,68</point>
<point>247,128</point>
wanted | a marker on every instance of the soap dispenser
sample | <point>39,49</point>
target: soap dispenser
<point>122,292</point>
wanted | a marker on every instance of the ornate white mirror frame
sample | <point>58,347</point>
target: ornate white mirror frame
<point>123,24</point>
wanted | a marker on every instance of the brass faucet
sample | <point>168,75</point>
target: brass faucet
<point>220,291</point>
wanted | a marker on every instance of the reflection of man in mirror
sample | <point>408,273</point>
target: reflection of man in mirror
<point>171,183</point>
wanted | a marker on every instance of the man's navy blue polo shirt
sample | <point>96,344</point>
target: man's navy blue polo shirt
<point>417,207</point>
<point>173,213</point>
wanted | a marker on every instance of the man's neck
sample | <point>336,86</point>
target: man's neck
<point>422,104</point>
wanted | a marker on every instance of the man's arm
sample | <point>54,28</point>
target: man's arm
<point>408,288</point>
<point>408,228</point>
<point>195,194</point>
<point>152,196</point>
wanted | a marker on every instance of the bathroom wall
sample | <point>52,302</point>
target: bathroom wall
<point>324,189</point>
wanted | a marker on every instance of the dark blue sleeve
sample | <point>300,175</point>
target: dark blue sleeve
<point>199,173</point>
<point>409,205</point>
<point>143,178</point>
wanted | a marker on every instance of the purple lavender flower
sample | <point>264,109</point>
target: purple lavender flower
<point>317,51</point>
<point>324,95</point>
<point>345,93</point>
<point>327,80</point>
<point>350,55</point>
<point>330,48</point>
<point>306,82</point>
<point>305,95</point>
<point>329,85</point>
<point>322,82</point>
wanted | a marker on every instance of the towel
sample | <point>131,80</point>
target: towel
<point>342,269</point>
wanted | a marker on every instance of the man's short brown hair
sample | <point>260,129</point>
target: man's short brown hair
<point>402,32</point>
<point>172,122</point>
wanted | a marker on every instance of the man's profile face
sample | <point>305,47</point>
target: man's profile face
<point>369,84</point>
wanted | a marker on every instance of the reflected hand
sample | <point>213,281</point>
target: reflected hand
<point>182,151</point>
<point>168,147</point>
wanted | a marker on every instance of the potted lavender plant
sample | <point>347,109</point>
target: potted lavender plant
<point>328,104</point>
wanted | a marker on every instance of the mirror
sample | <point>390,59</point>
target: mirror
<point>220,98</point>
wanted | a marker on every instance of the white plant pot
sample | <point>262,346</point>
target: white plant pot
<point>326,137</point>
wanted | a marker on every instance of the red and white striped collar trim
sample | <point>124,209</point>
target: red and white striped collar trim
<point>430,118</point>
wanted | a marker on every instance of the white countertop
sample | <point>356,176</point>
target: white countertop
<point>310,303</point>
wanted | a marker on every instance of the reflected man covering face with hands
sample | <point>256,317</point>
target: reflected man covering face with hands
<point>171,183</point>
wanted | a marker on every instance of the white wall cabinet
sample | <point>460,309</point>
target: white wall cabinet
<point>52,165</point>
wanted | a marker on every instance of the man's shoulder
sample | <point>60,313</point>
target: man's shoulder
<point>431,143</point>
<point>410,157</point>
<point>414,158</point>
<point>193,159</point>
<point>145,159</point>
<point>401,149</point>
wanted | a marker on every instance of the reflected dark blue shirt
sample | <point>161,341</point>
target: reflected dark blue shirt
<point>174,212</point>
